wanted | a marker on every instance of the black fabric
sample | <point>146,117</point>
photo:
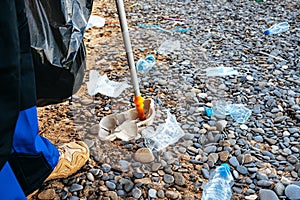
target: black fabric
<point>9,76</point>
<point>16,71</point>
<point>30,170</point>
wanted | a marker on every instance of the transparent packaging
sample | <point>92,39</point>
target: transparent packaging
<point>220,71</point>
<point>101,84</point>
<point>168,46</point>
<point>165,134</point>
<point>277,28</point>
<point>219,185</point>
<point>239,112</point>
<point>145,65</point>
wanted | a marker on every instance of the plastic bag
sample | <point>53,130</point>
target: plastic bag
<point>56,30</point>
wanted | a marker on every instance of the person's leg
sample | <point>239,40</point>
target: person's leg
<point>33,157</point>
<point>9,186</point>
<point>9,77</point>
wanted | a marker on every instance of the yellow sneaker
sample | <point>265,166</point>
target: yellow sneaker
<point>73,156</point>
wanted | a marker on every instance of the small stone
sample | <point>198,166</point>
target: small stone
<point>155,166</point>
<point>168,178</point>
<point>205,173</point>
<point>106,167</point>
<point>161,194</point>
<point>162,82</point>
<point>75,187</point>
<point>247,158</point>
<point>264,183</point>
<point>210,149</point>
<point>94,130</point>
<point>267,195</point>
<point>172,195</point>
<point>136,193</point>
<point>48,194</point>
<point>234,162</point>
<point>152,193</point>
<point>144,181</point>
<point>221,124</point>
<point>144,155</point>
<point>90,176</point>
<point>241,169</point>
<point>179,179</point>
<point>244,127</point>
<point>292,191</point>
<point>224,156</point>
<point>279,189</point>
<point>112,195</point>
<point>110,185</point>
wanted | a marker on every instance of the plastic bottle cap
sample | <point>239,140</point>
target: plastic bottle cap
<point>267,32</point>
<point>223,171</point>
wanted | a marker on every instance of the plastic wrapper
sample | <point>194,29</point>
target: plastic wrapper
<point>56,30</point>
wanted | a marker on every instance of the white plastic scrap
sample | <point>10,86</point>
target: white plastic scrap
<point>165,135</point>
<point>221,71</point>
<point>95,21</point>
<point>101,84</point>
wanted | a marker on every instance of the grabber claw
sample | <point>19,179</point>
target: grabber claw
<point>139,104</point>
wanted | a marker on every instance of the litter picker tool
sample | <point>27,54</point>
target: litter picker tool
<point>138,99</point>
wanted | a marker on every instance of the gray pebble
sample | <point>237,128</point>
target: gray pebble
<point>168,178</point>
<point>279,189</point>
<point>264,183</point>
<point>152,193</point>
<point>267,195</point>
<point>242,169</point>
<point>233,161</point>
<point>136,193</point>
<point>161,194</point>
<point>292,192</point>
<point>75,187</point>
<point>110,185</point>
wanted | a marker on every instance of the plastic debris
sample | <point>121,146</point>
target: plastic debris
<point>144,65</point>
<point>101,84</point>
<point>169,46</point>
<point>219,185</point>
<point>221,71</point>
<point>208,112</point>
<point>277,28</point>
<point>95,21</point>
<point>238,112</point>
<point>126,125</point>
<point>165,134</point>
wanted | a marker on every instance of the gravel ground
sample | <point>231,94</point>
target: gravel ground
<point>263,153</point>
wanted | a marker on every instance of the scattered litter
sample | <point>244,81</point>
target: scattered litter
<point>164,135</point>
<point>176,28</point>
<point>208,112</point>
<point>144,65</point>
<point>95,21</point>
<point>220,109</point>
<point>221,71</point>
<point>239,112</point>
<point>101,84</point>
<point>277,28</point>
<point>169,46</point>
<point>125,125</point>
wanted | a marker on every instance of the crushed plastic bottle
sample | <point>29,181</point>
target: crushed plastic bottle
<point>165,134</point>
<point>219,185</point>
<point>144,65</point>
<point>239,112</point>
<point>168,46</point>
<point>101,84</point>
<point>277,28</point>
<point>221,71</point>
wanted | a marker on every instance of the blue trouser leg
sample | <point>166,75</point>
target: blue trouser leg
<point>33,156</point>
<point>9,186</point>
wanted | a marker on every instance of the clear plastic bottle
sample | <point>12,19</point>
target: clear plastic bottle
<point>277,28</point>
<point>144,65</point>
<point>219,185</point>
